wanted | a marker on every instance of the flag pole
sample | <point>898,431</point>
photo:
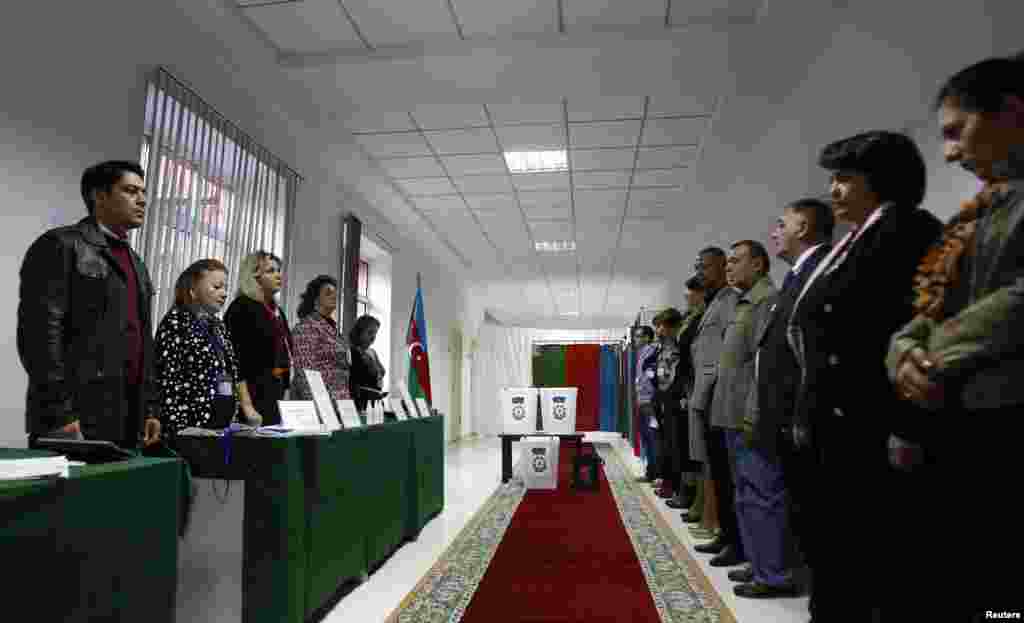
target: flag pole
<point>418,281</point>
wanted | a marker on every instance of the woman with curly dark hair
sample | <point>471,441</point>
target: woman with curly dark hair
<point>319,345</point>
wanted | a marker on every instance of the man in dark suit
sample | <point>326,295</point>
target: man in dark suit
<point>84,330</point>
<point>775,471</point>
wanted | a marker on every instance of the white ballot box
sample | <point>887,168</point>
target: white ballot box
<point>538,462</point>
<point>558,409</point>
<point>519,410</point>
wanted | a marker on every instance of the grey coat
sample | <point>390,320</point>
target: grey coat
<point>705,351</point>
<point>734,395</point>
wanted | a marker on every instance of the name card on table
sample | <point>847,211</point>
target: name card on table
<point>299,416</point>
<point>424,408</point>
<point>322,400</point>
<point>349,413</point>
<point>396,406</point>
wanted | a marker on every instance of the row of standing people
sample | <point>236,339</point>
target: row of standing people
<point>95,370</point>
<point>824,424</point>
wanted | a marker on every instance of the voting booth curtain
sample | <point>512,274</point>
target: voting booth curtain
<point>592,368</point>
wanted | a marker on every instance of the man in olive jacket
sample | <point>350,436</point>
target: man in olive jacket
<point>84,328</point>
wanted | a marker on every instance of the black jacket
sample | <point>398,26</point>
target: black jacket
<point>778,375</point>
<point>252,335</point>
<point>72,318</point>
<point>846,318</point>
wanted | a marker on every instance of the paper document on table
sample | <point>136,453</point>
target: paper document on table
<point>36,467</point>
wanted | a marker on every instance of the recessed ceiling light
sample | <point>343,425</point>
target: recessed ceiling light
<point>571,313</point>
<point>537,161</point>
<point>555,246</point>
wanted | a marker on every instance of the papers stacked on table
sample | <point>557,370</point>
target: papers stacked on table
<point>39,467</point>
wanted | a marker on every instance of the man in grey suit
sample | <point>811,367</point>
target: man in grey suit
<point>706,351</point>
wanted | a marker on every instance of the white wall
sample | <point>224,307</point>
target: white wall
<point>74,77</point>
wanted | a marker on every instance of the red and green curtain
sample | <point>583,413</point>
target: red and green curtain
<point>593,369</point>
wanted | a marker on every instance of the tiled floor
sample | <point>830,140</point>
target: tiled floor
<point>472,474</point>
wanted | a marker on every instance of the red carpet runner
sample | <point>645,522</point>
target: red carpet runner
<point>565,557</point>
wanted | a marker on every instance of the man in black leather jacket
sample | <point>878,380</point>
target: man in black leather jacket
<point>84,327</point>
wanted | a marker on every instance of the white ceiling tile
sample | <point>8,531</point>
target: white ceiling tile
<point>605,108</point>
<point>473,141</point>
<point>310,26</point>
<point>590,13</point>
<point>645,203</point>
<point>645,234</point>
<point>549,230</point>
<point>447,117</point>
<point>703,11</point>
<point>601,159</point>
<point>378,121</point>
<point>531,137</point>
<point>545,205</point>
<point>474,165</point>
<point>600,179</point>
<point>540,181</point>
<point>488,19</point>
<point>604,134</point>
<point>560,266</point>
<point>525,113</point>
<point>659,105</point>
<point>484,184</point>
<point>427,186</point>
<point>449,203</point>
<point>665,157</point>
<point>678,176</point>
<point>400,144</point>
<point>412,167</point>
<point>685,131</point>
<point>399,22</point>
<point>599,205</point>
<point>505,204</point>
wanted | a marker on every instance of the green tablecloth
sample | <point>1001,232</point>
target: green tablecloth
<point>322,510</point>
<point>98,546</point>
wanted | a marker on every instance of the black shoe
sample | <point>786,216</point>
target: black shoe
<point>678,503</point>
<point>746,574</point>
<point>689,518</point>
<point>756,590</point>
<point>727,558</point>
<point>714,547</point>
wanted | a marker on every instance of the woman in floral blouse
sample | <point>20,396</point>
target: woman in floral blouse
<point>196,366</point>
<point>318,344</point>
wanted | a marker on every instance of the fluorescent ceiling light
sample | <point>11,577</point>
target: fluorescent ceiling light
<point>555,246</point>
<point>571,313</point>
<point>537,161</point>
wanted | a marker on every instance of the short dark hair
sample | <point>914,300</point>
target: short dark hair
<point>312,293</point>
<point>695,284</point>
<point>890,161</point>
<point>757,251</point>
<point>670,317</point>
<point>646,330</point>
<point>187,280</point>
<point>715,251</point>
<point>818,214</point>
<point>984,86</point>
<point>363,323</point>
<point>103,176</point>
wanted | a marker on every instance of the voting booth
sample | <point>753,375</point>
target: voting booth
<point>558,409</point>
<point>538,462</point>
<point>519,410</point>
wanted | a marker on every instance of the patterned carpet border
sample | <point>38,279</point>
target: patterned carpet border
<point>443,594</point>
<point>681,591</point>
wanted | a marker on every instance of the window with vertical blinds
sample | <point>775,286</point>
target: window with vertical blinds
<point>212,191</point>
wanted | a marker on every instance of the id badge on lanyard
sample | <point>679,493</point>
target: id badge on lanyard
<point>225,386</point>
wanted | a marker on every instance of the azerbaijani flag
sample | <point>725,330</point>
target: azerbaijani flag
<point>416,342</point>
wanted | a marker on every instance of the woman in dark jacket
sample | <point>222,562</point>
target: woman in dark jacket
<point>839,329</point>
<point>260,335</point>
<point>195,365</point>
<point>366,378</point>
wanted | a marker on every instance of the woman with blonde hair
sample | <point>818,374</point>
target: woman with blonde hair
<point>260,335</point>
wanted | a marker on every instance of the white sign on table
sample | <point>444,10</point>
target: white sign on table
<point>349,413</point>
<point>424,408</point>
<point>299,416</point>
<point>408,401</point>
<point>322,400</point>
<point>396,406</point>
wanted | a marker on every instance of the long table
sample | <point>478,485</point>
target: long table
<point>323,510</point>
<point>101,545</point>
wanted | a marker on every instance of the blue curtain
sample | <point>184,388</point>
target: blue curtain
<point>609,410</point>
